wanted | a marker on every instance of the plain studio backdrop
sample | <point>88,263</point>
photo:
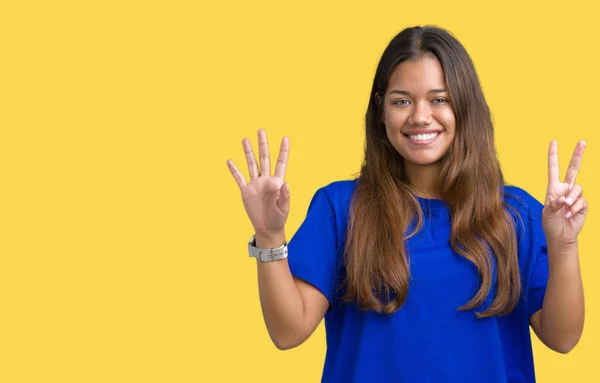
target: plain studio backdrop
<point>123,239</point>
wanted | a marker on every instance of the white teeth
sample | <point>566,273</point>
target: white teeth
<point>423,137</point>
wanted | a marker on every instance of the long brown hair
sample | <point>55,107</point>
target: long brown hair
<point>471,184</point>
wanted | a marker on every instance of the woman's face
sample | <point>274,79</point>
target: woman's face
<point>418,116</point>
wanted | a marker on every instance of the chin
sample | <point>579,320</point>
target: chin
<point>423,161</point>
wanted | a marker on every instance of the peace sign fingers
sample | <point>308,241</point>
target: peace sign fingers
<point>553,168</point>
<point>575,163</point>
<point>565,208</point>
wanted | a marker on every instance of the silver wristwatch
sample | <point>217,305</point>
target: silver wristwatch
<point>267,255</point>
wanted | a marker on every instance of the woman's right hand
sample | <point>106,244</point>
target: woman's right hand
<point>266,197</point>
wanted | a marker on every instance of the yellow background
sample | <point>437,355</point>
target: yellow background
<point>123,239</point>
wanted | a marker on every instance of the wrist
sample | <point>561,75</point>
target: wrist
<point>559,253</point>
<point>269,240</point>
<point>562,247</point>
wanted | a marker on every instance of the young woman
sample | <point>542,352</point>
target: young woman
<point>427,267</point>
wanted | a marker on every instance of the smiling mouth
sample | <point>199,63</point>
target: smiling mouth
<point>422,138</point>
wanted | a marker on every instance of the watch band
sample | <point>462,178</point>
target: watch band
<point>267,255</point>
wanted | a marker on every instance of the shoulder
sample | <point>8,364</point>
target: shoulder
<point>521,200</point>
<point>340,188</point>
<point>333,200</point>
<point>339,193</point>
<point>525,208</point>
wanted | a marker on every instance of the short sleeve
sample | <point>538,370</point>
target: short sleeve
<point>534,241</point>
<point>312,251</point>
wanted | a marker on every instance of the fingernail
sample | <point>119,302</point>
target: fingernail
<point>569,200</point>
<point>287,187</point>
<point>568,214</point>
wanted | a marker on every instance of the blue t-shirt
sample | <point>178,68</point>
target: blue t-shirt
<point>428,339</point>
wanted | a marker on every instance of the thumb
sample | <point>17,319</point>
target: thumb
<point>284,198</point>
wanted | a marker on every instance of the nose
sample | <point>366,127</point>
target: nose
<point>421,114</point>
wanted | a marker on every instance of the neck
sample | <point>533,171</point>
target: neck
<point>423,179</point>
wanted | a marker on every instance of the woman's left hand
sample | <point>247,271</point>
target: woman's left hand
<point>565,208</point>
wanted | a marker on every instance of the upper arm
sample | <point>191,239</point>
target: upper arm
<point>536,323</point>
<point>313,259</point>
<point>533,258</point>
<point>315,305</point>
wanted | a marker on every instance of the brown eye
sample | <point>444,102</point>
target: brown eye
<point>440,101</point>
<point>401,102</point>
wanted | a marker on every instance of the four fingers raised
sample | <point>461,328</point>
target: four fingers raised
<point>282,159</point>
<point>263,152</point>
<point>250,159</point>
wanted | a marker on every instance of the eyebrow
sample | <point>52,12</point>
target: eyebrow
<point>408,93</point>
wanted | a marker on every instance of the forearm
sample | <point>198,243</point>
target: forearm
<point>563,311</point>
<point>281,302</point>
